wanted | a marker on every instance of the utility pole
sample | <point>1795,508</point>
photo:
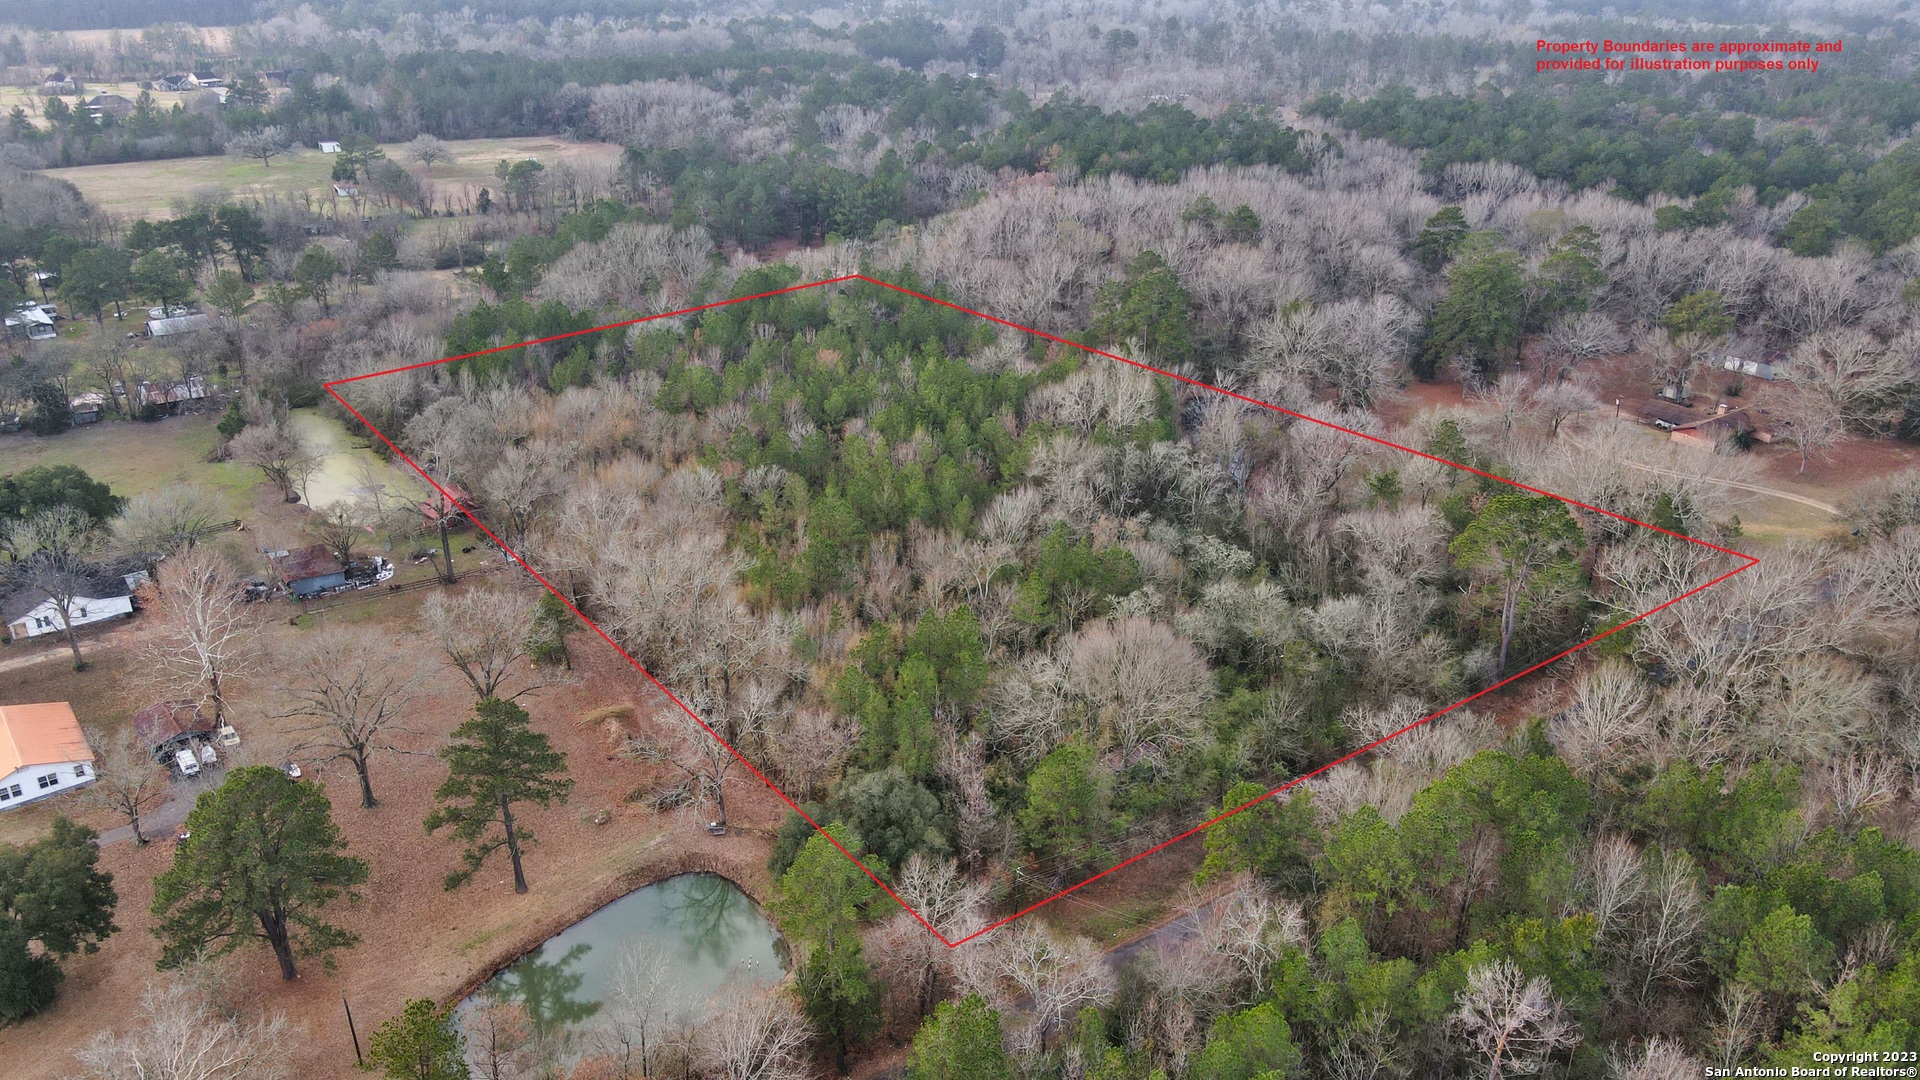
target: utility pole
<point>357,1059</point>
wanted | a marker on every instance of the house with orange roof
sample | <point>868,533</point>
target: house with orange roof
<point>42,752</point>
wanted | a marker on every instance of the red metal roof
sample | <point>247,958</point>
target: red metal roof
<point>306,562</point>
<point>168,720</point>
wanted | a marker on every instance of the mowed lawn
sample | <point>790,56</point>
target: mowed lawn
<point>151,188</point>
<point>132,456</point>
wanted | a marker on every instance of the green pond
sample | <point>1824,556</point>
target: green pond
<point>708,933</point>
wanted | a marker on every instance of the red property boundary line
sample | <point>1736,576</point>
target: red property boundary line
<point>1748,562</point>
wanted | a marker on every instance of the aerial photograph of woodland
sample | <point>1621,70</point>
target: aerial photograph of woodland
<point>959,539</point>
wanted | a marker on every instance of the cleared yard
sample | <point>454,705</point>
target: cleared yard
<point>150,188</point>
<point>417,939</point>
<point>132,456</point>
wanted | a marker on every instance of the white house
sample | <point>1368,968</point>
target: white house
<point>42,752</point>
<point>29,616</point>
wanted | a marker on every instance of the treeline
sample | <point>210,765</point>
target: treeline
<point>52,15</point>
<point>1158,143</point>
<point>1592,133</point>
<point>75,137</point>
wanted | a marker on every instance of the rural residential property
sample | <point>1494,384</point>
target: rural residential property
<point>29,613</point>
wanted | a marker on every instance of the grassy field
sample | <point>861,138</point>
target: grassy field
<point>133,457</point>
<point>150,188</point>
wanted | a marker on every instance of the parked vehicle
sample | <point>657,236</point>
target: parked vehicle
<point>228,736</point>
<point>186,763</point>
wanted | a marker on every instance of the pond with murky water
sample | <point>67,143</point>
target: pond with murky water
<point>700,930</point>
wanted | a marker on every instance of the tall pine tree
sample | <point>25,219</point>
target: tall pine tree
<point>496,761</point>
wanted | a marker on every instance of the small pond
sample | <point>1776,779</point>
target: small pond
<point>344,467</point>
<point>701,928</point>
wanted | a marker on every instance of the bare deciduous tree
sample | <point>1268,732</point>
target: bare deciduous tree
<point>340,528</point>
<point>205,635</point>
<point>1892,505</point>
<point>980,832</point>
<point>813,749</point>
<point>1251,930</point>
<point>126,779</point>
<point>1817,708</point>
<point>1805,296</point>
<point>178,1034</point>
<point>1738,633</point>
<point>907,954</point>
<point>1557,402</point>
<point>1607,722</point>
<point>168,518</point>
<point>524,483</point>
<point>264,143</point>
<point>1813,419</point>
<point>1575,339</point>
<point>349,691</point>
<point>483,631</point>
<point>284,458</point>
<point>427,151</point>
<point>1654,1059</point>
<point>1672,910</point>
<point>1614,882</point>
<point>1859,783</point>
<point>1059,975</point>
<point>53,557</point>
<point>1135,685</point>
<point>1740,1020</point>
<point>1862,377</point>
<point>753,1033</point>
<point>641,1008</point>
<point>1512,1023</point>
<point>499,1037</point>
<point>691,748</point>
<point>1894,568</point>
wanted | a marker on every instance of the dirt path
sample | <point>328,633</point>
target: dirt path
<point>93,640</point>
<point>1741,485</point>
